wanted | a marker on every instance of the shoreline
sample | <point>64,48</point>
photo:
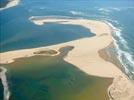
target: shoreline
<point>121,85</point>
<point>10,4</point>
<point>87,59</point>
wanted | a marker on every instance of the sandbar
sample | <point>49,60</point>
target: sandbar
<point>11,3</point>
<point>85,54</point>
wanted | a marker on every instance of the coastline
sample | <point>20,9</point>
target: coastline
<point>10,4</point>
<point>121,87</point>
<point>85,54</point>
<point>109,54</point>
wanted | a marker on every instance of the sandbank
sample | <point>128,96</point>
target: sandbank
<point>11,3</point>
<point>85,54</point>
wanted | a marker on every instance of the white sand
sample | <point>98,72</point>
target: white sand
<point>12,3</point>
<point>85,54</point>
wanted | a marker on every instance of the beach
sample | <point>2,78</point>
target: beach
<point>85,54</point>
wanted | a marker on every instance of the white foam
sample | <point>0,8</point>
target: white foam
<point>115,9</point>
<point>121,40</point>
<point>104,9</point>
<point>117,32</point>
<point>108,10</point>
<point>128,56</point>
<point>76,13</point>
<point>113,21</point>
<point>4,83</point>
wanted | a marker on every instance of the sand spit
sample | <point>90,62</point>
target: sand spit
<point>85,54</point>
<point>12,3</point>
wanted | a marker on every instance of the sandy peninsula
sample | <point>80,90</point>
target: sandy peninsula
<point>11,3</point>
<point>85,54</point>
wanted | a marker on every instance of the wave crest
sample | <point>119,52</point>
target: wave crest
<point>124,55</point>
<point>76,13</point>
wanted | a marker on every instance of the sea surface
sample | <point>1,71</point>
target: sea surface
<point>18,32</point>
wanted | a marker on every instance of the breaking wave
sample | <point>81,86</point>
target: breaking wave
<point>109,9</point>
<point>76,13</point>
<point>123,53</point>
<point>4,83</point>
<point>124,56</point>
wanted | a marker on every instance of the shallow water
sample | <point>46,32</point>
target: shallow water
<point>36,36</point>
<point>51,78</point>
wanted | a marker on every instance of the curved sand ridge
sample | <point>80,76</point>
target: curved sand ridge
<point>85,55</point>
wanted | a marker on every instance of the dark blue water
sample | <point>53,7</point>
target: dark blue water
<point>35,36</point>
<point>18,32</point>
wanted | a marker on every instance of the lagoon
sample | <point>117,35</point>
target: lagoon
<point>36,36</point>
<point>51,78</point>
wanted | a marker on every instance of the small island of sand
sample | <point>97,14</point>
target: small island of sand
<point>85,55</point>
<point>8,3</point>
